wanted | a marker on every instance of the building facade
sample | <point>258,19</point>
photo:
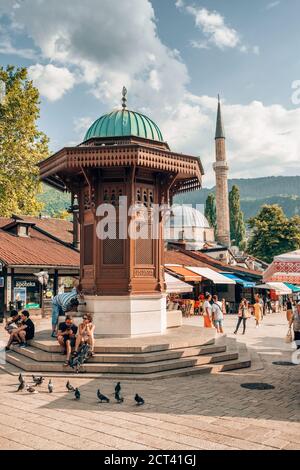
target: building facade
<point>29,246</point>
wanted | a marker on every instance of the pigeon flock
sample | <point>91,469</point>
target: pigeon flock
<point>38,381</point>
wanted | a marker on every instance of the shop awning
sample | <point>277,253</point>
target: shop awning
<point>176,286</point>
<point>213,276</point>
<point>293,288</point>
<point>184,273</point>
<point>279,287</point>
<point>238,280</point>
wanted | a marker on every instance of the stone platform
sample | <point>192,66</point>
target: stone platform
<point>181,351</point>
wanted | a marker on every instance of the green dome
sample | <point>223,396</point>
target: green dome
<point>124,123</point>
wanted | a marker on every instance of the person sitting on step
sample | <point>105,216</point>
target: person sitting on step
<point>86,333</point>
<point>23,333</point>
<point>63,303</point>
<point>66,336</point>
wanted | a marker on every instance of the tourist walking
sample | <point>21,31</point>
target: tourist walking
<point>217,314</point>
<point>295,323</point>
<point>258,312</point>
<point>243,315</point>
<point>61,303</point>
<point>289,309</point>
<point>207,312</point>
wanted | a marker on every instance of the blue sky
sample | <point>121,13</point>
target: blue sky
<point>174,56</point>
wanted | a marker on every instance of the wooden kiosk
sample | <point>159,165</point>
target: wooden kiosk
<point>123,154</point>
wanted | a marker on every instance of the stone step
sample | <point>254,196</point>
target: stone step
<point>142,358</point>
<point>176,338</point>
<point>26,363</point>
<point>243,361</point>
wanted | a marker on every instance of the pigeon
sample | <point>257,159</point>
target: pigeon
<point>118,388</point>
<point>50,386</point>
<point>21,386</point>
<point>37,380</point>
<point>32,390</point>
<point>118,398</point>
<point>69,387</point>
<point>101,397</point>
<point>21,379</point>
<point>77,394</point>
<point>139,400</point>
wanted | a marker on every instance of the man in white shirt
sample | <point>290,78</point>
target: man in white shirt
<point>207,311</point>
<point>217,314</point>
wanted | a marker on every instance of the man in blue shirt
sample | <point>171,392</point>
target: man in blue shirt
<point>62,303</point>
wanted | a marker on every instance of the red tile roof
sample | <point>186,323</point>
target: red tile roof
<point>179,257</point>
<point>38,250</point>
<point>61,229</point>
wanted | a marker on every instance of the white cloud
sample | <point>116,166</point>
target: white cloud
<point>81,125</point>
<point>214,28</point>
<point>53,82</point>
<point>272,5</point>
<point>110,47</point>
<point>199,44</point>
<point>96,46</point>
<point>6,48</point>
<point>261,140</point>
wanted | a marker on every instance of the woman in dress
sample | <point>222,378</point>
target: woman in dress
<point>258,312</point>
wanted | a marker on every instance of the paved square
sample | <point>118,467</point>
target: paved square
<point>197,412</point>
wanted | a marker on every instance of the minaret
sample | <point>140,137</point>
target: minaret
<point>221,168</point>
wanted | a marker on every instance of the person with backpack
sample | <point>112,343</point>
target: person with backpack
<point>62,303</point>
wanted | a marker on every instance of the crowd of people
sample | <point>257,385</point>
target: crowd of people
<point>70,337</point>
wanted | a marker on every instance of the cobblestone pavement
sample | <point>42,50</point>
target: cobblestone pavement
<point>198,412</point>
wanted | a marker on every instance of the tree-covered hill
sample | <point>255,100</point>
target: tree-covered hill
<point>281,190</point>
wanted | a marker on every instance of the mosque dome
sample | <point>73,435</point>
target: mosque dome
<point>123,122</point>
<point>188,217</point>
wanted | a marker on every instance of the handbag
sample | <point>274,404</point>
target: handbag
<point>289,337</point>
<point>247,313</point>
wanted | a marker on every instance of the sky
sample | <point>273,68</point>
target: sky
<point>174,57</point>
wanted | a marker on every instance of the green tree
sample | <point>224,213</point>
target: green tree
<point>237,224</point>
<point>211,211</point>
<point>22,145</point>
<point>273,233</point>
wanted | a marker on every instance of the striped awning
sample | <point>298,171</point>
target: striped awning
<point>212,275</point>
<point>184,273</point>
<point>176,286</point>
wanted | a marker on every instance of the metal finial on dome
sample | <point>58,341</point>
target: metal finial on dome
<point>124,99</point>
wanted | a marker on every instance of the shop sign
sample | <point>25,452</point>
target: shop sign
<point>25,284</point>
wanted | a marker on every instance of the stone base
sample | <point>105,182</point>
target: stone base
<point>127,316</point>
<point>174,318</point>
